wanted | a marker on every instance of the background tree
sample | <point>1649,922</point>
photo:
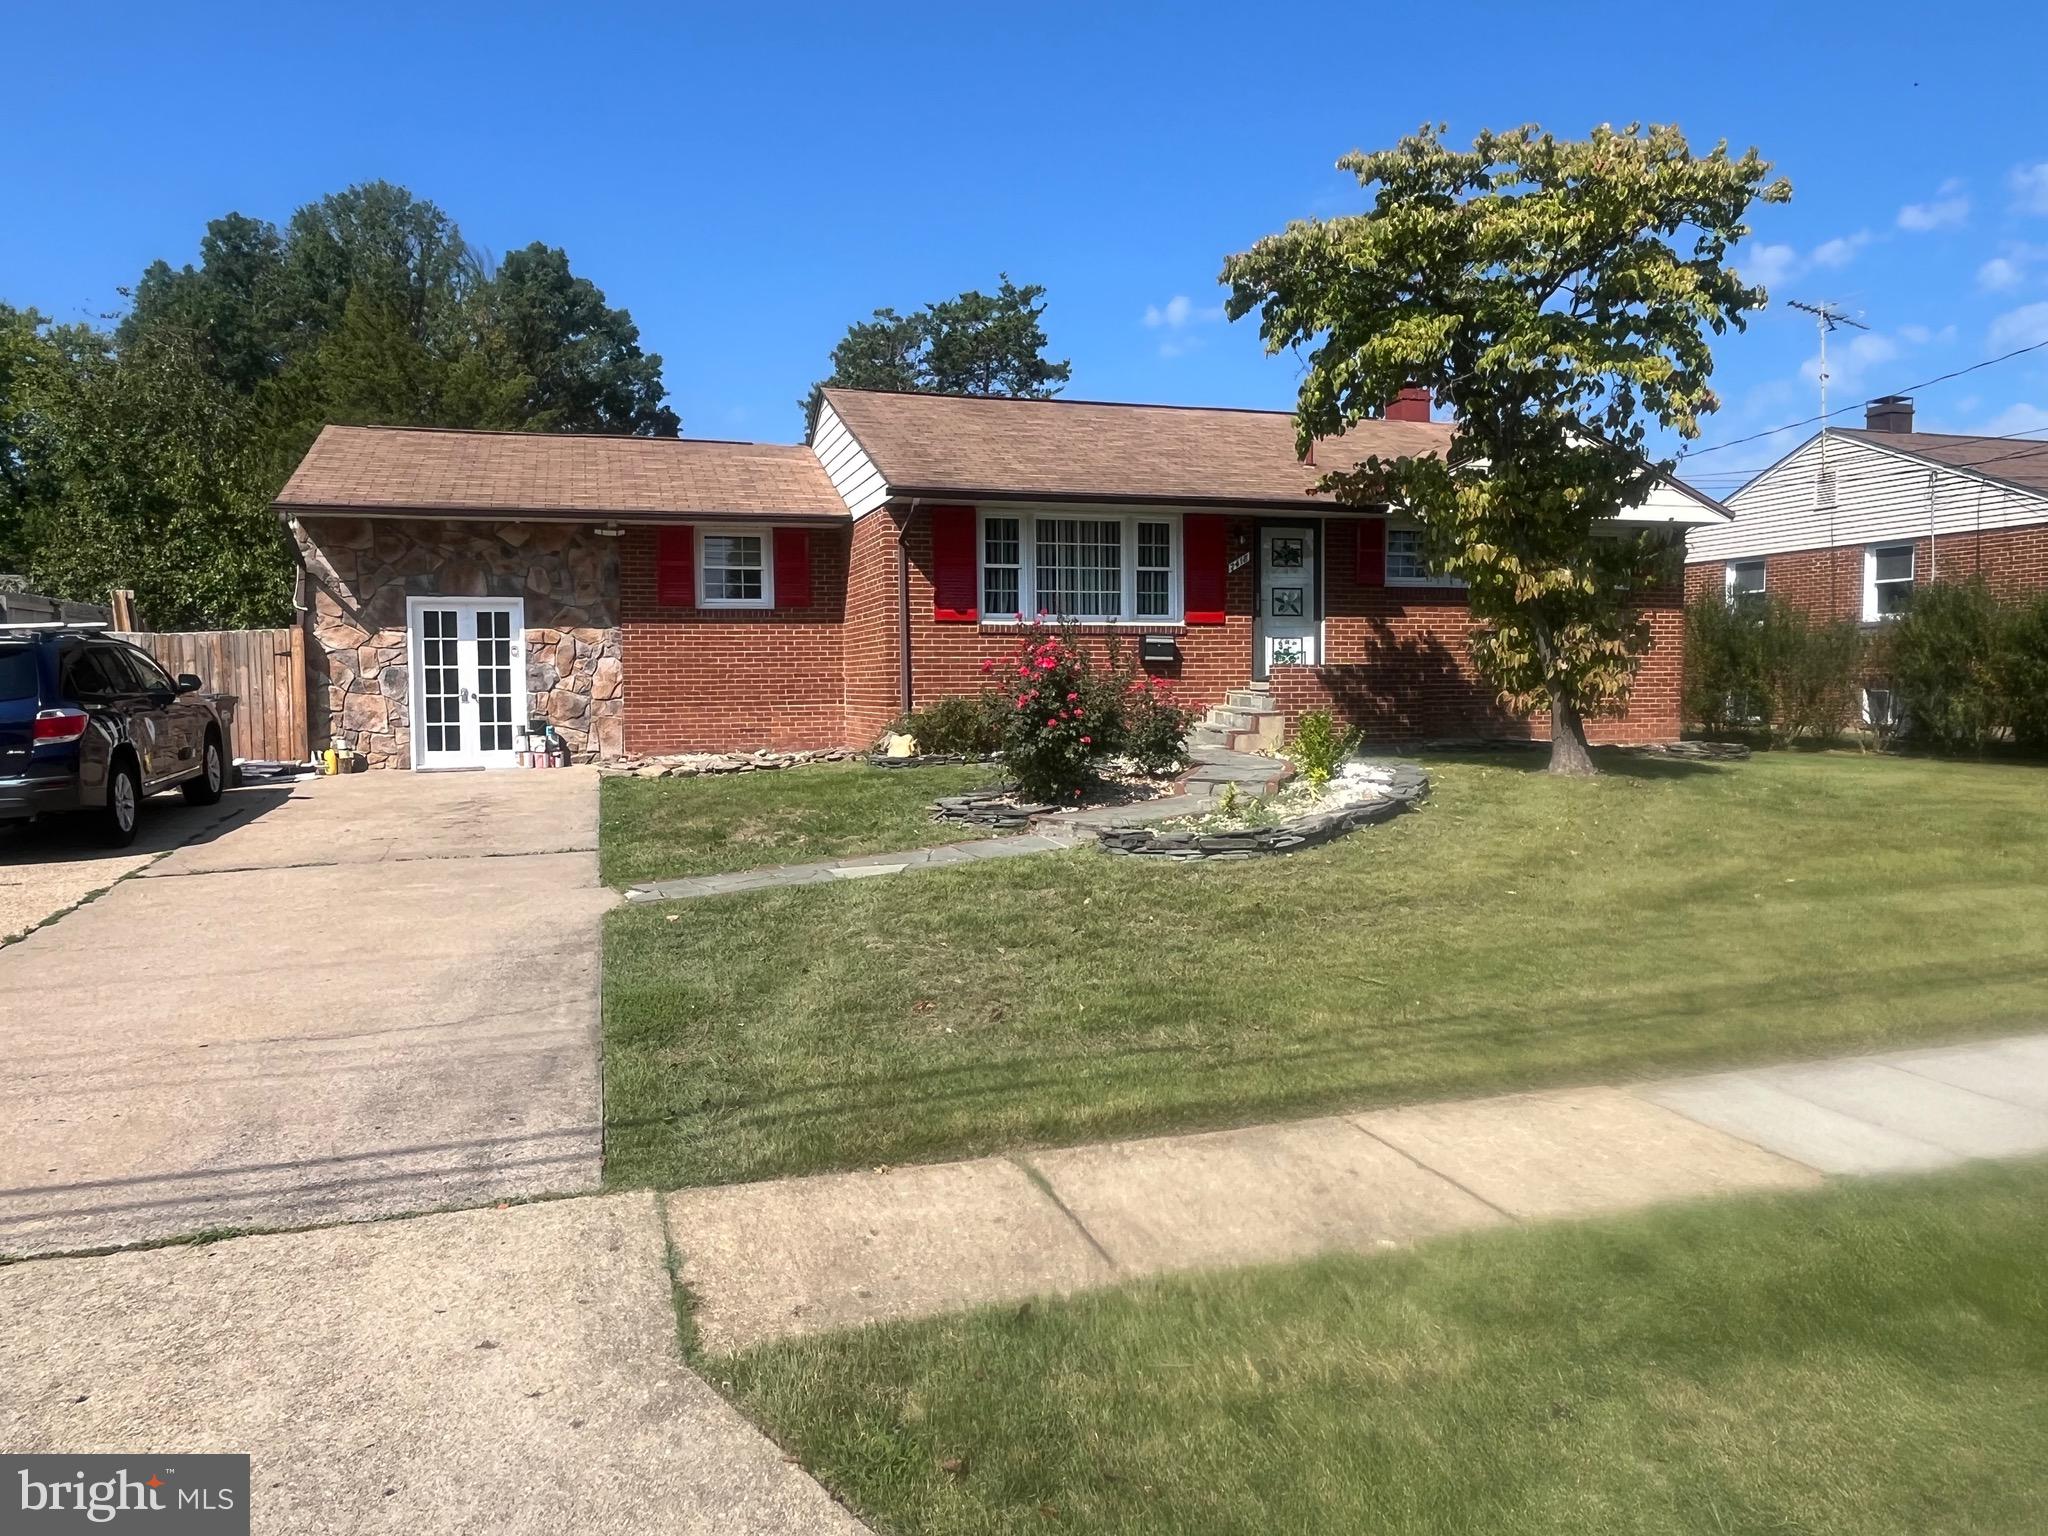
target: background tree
<point>974,344</point>
<point>1558,297</point>
<point>147,456</point>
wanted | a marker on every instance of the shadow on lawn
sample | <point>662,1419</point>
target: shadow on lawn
<point>1185,1087</point>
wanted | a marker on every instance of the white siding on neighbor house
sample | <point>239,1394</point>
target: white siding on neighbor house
<point>1879,495</point>
<point>1667,504</point>
<point>851,471</point>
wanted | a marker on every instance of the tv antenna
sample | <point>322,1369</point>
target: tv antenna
<point>1826,317</point>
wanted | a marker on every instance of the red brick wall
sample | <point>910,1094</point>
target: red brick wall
<point>714,680</point>
<point>1829,583</point>
<point>873,668</point>
<point>1396,664</point>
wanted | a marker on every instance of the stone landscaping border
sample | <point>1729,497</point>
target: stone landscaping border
<point>1410,787</point>
<point>690,765</point>
<point>931,759</point>
<point>988,808</point>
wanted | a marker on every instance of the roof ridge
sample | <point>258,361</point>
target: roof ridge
<point>1122,405</point>
<point>543,436</point>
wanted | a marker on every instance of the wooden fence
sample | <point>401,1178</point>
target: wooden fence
<point>264,668</point>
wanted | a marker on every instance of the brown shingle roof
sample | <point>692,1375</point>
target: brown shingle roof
<point>539,474</point>
<point>952,445</point>
<point>2016,461</point>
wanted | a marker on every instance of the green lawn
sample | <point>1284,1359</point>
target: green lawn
<point>1517,930</point>
<point>656,829</point>
<point>1869,1360</point>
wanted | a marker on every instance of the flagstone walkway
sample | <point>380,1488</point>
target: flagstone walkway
<point>812,1254</point>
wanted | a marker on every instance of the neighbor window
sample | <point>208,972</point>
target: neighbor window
<point>1745,580</point>
<point>1092,569</point>
<point>734,570</point>
<point>1406,566</point>
<point>1880,707</point>
<point>1887,581</point>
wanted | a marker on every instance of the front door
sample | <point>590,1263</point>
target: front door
<point>468,680</point>
<point>1288,627</point>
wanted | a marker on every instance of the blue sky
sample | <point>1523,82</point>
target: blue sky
<point>748,180</point>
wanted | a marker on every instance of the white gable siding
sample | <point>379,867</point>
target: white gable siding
<point>851,471</point>
<point>1878,495</point>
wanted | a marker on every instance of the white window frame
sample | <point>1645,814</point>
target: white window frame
<point>1728,580</point>
<point>766,535</point>
<point>1027,565</point>
<point>1871,614</point>
<point>1429,578</point>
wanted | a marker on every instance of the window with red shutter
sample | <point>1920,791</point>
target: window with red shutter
<point>1205,550</point>
<point>954,580</point>
<point>792,568</point>
<point>675,567</point>
<point>1372,552</point>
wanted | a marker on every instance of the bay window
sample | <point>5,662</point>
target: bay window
<point>1089,569</point>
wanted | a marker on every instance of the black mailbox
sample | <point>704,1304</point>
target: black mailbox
<point>1159,648</point>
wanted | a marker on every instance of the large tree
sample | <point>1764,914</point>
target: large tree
<point>974,344</point>
<point>151,452</point>
<point>1558,297</point>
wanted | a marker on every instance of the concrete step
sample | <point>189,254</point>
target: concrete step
<point>1250,698</point>
<point>1237,718</point>
<point>1209,736</point>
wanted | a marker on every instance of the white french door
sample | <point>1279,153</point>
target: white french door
<point>468,680</point>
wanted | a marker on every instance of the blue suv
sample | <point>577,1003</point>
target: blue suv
<point>93,725</point>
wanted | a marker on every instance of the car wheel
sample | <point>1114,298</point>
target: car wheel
<point>213,775</point>
<point>123,813</point>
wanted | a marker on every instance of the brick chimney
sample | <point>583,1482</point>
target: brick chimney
<point>1412,404</point>
<point>1889,413</point>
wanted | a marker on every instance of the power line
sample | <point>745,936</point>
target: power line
<point>1791,426</point>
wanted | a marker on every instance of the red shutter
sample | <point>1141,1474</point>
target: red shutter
<point>792,568</point>
<point>1372,552</point>
<point>954,567</point>
<point>675,567</point>
<point>1205,551</point>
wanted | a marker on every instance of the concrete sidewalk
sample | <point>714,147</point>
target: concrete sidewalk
<point>813,1254</point>
<point>509,1370</point>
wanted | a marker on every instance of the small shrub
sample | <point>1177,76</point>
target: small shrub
<point>1943,660</point>
<point>1318,747</point>
<point>971,726</point>
<point>2023,673</point>
<point>1152,726</point>
<point>1051,741</point>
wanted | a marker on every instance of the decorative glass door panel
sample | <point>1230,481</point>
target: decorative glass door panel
<point>1288,629</point>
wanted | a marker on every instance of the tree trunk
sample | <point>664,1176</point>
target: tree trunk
<point>1568,750</point>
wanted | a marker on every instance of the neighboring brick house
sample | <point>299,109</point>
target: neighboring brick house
<point>1850,522</point>
<point>676,595</point>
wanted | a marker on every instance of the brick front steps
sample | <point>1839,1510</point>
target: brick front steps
<point>1246,721</point>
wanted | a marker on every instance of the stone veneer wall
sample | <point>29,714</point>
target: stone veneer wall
<point>360,571</point>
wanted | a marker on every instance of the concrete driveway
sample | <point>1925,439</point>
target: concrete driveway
<point>358,997</point>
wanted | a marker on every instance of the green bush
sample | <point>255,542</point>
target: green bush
<point>1051,738</point>
<point>1770,666</point>
<point>2023,673</point>
<point>1724,665</point>
<point>1943,659</point>
<point>1318,747</point>
<point>1812,671</point>
<point>969,725</point>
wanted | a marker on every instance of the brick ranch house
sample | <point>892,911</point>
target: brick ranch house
<point>1847,524</point>
<point>653,596</point>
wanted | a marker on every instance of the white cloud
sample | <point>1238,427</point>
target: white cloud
<point>1850,362</point>
<point>1920,335</point>
<point>1768,265</point>
<point>2015,419</point>
<point>1180,311</point>
<point>1178,317</point>
<point>1948,206</point>
<point>1840,251</point>
<point>1999,274</point>
<point>2022,327</point>
<point>2030,188</point>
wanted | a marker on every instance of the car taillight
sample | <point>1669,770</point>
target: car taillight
<point>60,725</point>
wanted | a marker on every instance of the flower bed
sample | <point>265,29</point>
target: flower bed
<point>1361,794</point>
